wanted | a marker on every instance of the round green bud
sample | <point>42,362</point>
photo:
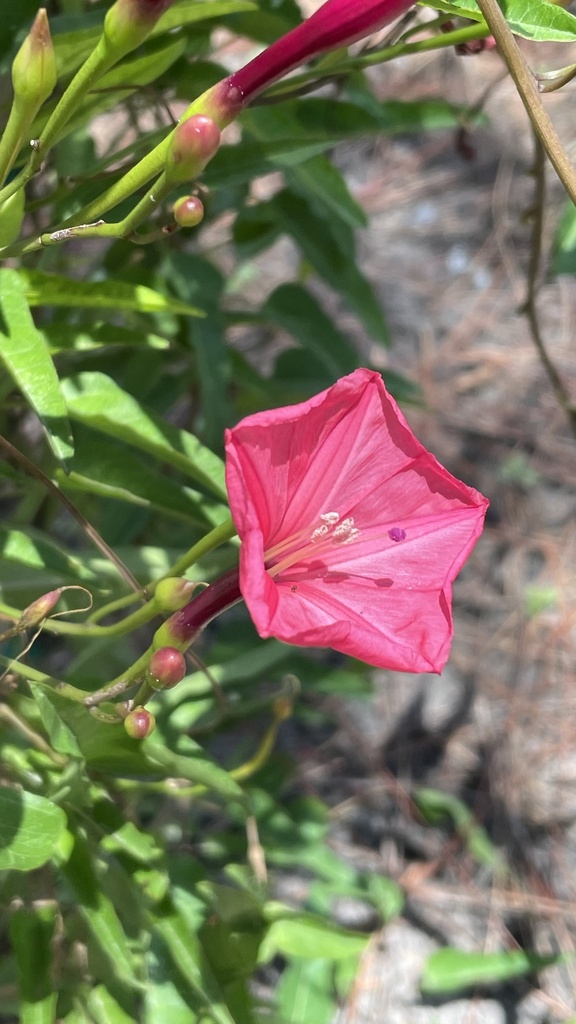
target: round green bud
<point>173,593</point>
<point>139,723</point>
<point>188,211</point>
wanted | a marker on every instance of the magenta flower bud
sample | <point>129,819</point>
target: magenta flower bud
<point>129,22</point>
<point>139,723</point>
<point>34,67</point>
<point>166,668</point>
<point>188,211</point>
<point>173,593</point>
<point>36,612</point>
<point>192,144</point>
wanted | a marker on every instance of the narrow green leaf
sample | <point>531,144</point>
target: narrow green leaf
<point>25,354</point>
<point>320,178</point>
<point>61,736</point>
<point>52,290</point>
<point>100,915</point>
<point>564,251</point>
<point>105,467</point>
<point>198,768</point>
<point>184,948</point>
<point>302,935</point>
<point>296,310</point>
<point>31,935</point>
<point>306,992</point>
<point>105,1009</point>
<point>97,401</point>
<point>450,970</point>
<point>30,828</point>
<point>329,247</point>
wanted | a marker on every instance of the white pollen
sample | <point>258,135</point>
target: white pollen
<point>330,517</point>
<point>319,532</point>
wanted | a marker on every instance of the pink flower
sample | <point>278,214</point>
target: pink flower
<point>335,23</point>
<point>351,532</point>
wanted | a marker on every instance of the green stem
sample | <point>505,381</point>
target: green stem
<point>11,140</point>
<point>33,676</point>
<point>34,738</point>
<point>528,92</point>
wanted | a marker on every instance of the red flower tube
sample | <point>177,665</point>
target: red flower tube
<point>351,532</point>
<point>336,23</point>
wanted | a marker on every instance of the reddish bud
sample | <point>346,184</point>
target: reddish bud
<point>172,594</point>
<point>139,723</point>
<point>129,22</point>
<point>34,67</point>
<point>188,213</point>
<point>34,614</point>
<point>192,144</point>
<point>166,668</point>
<point>182,628</point>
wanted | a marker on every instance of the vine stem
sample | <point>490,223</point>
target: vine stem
<point>530,307</point>
<point>528,92</point>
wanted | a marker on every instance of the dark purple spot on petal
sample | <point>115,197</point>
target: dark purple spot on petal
<point>397,533</point>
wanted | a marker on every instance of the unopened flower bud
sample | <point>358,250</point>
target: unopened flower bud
<point>192,144</point>
<point>129,22</point>
<point>188,211</point>
<point>34,67</point>
<point>11,217</point>
<point>173,593</point>
<point>139,723</point>
<point>166,668</point>
<point>36,612</point>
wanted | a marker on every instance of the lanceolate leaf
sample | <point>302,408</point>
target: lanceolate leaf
<point>97,401</point>
<point>533,19</point>
<point>25,354</point>
<point>450,970</point>
<point>52,290</point>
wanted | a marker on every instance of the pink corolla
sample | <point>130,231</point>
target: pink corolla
<point>351,531</point>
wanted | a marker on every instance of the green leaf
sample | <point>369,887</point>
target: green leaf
<point>53,290</point>
<point>302,935</point>
<point>198,768</point>
<point>306,992</point>
<point>25,354</point>
<point>97,401</point>
<point>100,915</point>
<point>329,247</point>
<point>85,336</point>
<point>531,19</point>
<point>296,310</point>
<point>105,1009</point>
<point>30,828</point>
<point>450,970</point>
<point>103,466</point>
<point>31,935</point>
<point>435,805</point>
<point>60,735</point>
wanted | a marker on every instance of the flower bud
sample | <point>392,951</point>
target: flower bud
<point>11,217</point>
<point>192,144</point>
<point>34,67</point>
<point>166,668</point>
<point>139,723</point>
<point>36,612</point>
<point>129,22</point>
<point>173,593</point>
<point>188,211</point>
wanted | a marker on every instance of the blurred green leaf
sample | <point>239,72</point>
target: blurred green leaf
<point>105,1009</point>
<point>97,401</point>
<point>295,309</point>
<point>30,828</point>
<point>435,806</point>
<point>306,992</point>
<point>564,249</point>
<point>451,970</point>
<point>31,934</point>
<point>302,935</point>
<point>531,19</point>
<point>24,352</point>
<point>55,290</point>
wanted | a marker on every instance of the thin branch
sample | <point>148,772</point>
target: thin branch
<point>528,91</point>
